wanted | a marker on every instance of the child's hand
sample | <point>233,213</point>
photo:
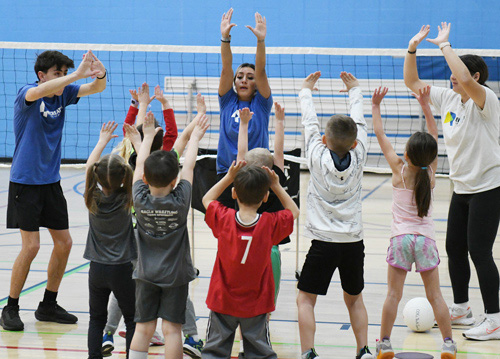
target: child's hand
<point>132,134</point>
<point>245,115</point>
<point>159,95</point>
<point>107,130</point>
<point>233,170</point>
<point>378,95</point>
<point>349,81</point>
<point>260,29</point>
<point>275,180</point>
<point>201,127</point>
<point>311,80</point>
<point>443,34</point>
<point>200,104</point>
<point>143,94</point>
<point>148,128</point>
<point>133,94</point>
<point>279,112</point>
<point>417,39</point>
<point>424,96</point>
<point>225,24</point>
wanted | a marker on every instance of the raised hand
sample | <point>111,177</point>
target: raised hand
<point>424,96</point>
<point>349,81</point>
<point>159,95</point>
<point>148,128</point>
<point>143,94</point>
<point>419,37</point>
<point>260,29</point>
<point>201,127</point>
<point>378,95</point>
<point>225,24</point>
<point>275,180</point>
<point>97,66</point>
<point>443,34</point>
<point>279,112</point>
<point>233,170</point>
<point>85,70</point>
<point>245,115</point>
<point>200,104</point>
<point>310,81</point>
<point>132,134</point>
<point>107,130</point>
<point>133,94</point>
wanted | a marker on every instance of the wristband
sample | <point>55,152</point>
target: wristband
<point>225,39</point>
<point>134,102</point>
<point>261,40</point>
<point>412,52</point>
<point>103,76</point>
<point>443,45</point>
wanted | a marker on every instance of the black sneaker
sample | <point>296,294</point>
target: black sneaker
<point>53,312</point>
<point>10,318</point>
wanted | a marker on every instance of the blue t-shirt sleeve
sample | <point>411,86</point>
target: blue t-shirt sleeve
<point>70,94</point>
<point>226,99</point>
<point>20,102</point>
<point>264,103</point>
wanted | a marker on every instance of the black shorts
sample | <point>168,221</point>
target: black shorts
<point>322,260</point>
<point>33,206</point>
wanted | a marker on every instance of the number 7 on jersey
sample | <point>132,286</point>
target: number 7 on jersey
<point>249,239</point>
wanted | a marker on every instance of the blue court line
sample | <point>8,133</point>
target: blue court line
<point>375,189</point>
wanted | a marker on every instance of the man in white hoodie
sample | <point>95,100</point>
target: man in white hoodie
<point>336,162</point>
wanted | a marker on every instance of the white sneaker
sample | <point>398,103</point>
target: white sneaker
<point>460,316</point>
<point>487,329</point>
<point>449,349</point>
<point>156,340</point>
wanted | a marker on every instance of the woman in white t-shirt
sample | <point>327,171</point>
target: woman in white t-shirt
<point>470,119</point>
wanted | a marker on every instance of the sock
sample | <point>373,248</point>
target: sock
<point>49,296</point>
<point>461,306</point>
<point>242,350</point>
<point>12,301</point>
<point>195,337</point>
<point>132,354</point>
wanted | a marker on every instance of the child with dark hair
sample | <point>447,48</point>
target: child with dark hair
<point>334,223</point>
<point>110,241</point>
<point>245,239</point>
<point>164,266</point>
<point>412,233</point>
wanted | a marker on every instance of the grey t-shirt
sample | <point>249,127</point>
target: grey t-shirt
<point>163,244</point>
<point>111,238</point>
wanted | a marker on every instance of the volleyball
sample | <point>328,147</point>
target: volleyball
<point>418,314</point>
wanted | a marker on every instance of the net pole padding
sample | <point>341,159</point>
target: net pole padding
<point>238,49</point>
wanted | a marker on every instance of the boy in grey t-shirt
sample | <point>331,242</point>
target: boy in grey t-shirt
<point>164,267</point>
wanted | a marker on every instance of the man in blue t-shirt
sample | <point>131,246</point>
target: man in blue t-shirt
<point>35,195</point>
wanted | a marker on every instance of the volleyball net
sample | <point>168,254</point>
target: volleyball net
<point>183,71</point>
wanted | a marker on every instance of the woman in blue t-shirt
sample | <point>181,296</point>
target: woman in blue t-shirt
<point>249,87</point>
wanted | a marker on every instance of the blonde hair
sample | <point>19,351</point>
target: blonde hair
<point>260,157</point>
<point>124,149</point>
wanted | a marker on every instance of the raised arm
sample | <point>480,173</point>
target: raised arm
<point>144,101</point>
<point>215,192</point>
<point>133,135</point>
<point>182,140</point>
<point>132,110</point>
<point>410,71</point>
<point>149,132</point>
<point>390,155</point>
<point>279,137</point>
<point>309,116</point>
<point>48,88</point>
<point>260,31</point>
<point>468,82</point>
<point>105,136</point>
<point>283,196</point>
<point>423,99</point>
<point>171,133</point>
<point>245,117</point>
<point>227,74</point>
<point>192,151</point>
<point>99,84</point>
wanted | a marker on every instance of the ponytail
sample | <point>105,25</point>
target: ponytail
<point>90,186</point>
<point>423,192</point>
<point>127,186</point>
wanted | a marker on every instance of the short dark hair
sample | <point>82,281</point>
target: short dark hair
<point>475,64</point>
<point>158,139</point>
<point>161,168</point>
<point>341,131</point>
<point>49,59</point>
<point>251,184</point>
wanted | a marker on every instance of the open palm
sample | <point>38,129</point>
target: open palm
<point>260,28</point>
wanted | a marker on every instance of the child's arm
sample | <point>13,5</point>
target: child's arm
<point>215,192</point>
<point>279,137</point>
<point>149,131</point>
<point>182,140</point>
<point>356,107</point>
<point>309,118</point>
<point>132,110</point>
<point>144,101</point>
<point>260,32</point>
<point>390,155</point>
<point>245,117</point>
<point>423,98</point>
<point>168,116</point>
<point>282,195</point>
<point>192,151</point>
<point>106,135</point>
<point>133,135</point>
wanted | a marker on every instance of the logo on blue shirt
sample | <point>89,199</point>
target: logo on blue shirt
<point>236,116</point>
<point>52,114</point>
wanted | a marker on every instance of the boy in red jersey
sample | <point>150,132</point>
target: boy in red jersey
<point>245,241</point>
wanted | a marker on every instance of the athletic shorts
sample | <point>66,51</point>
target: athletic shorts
<point>33,206</point>
<point>322,260</point>
<point>409,248</point>
<point>153,302</point>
